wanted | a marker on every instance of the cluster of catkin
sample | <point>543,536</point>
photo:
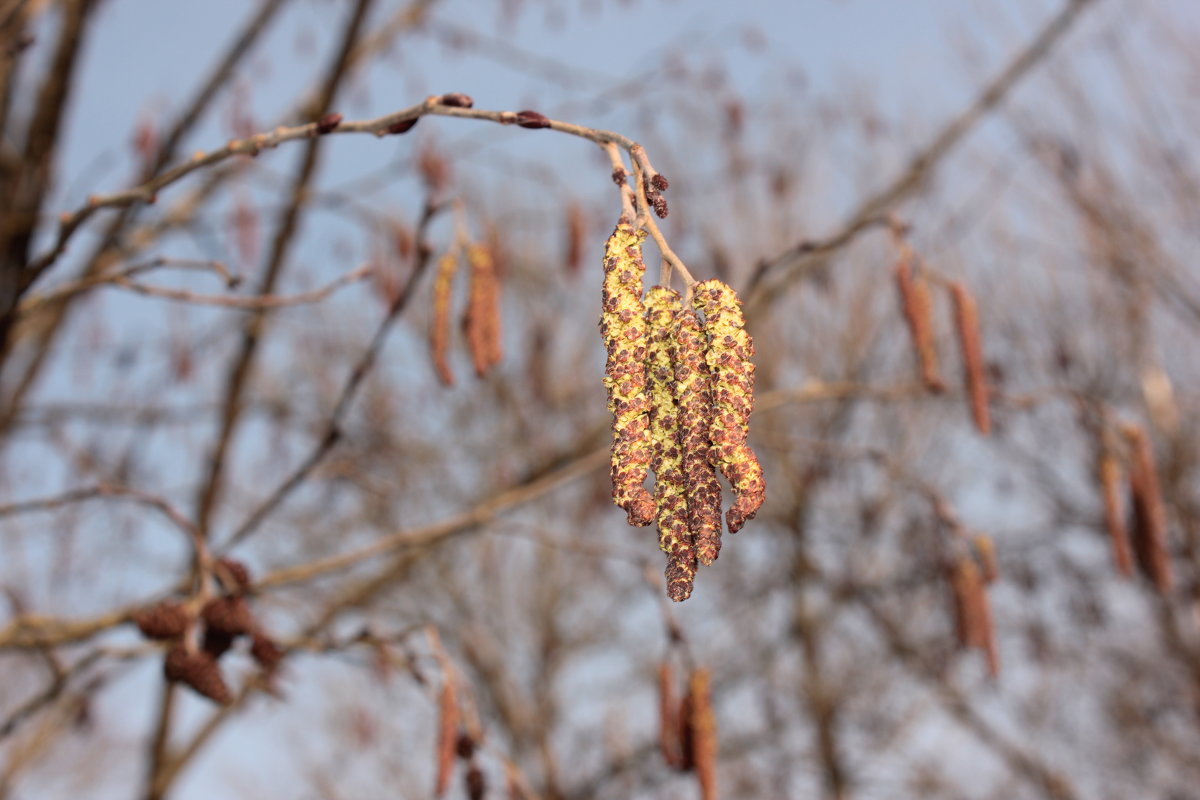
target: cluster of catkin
<point>681,389</point>
<point>481,318</point>
<point>198,640</point>
<point>1146,541</point>
<point>916,304</point>
<point>687,732</point>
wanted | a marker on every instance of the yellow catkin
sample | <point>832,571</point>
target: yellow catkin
<point>623,326</point>
<point>439,326</point>
<point>730,349</point>
<point>674,537</point>
<point>693,397</point>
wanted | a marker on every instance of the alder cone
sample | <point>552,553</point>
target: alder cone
<point>730,349</point>
<point>674,537</point>
<point>166,620</point>
<point>623,327</point>
<point>199,671</point>
<point>694,399</point>
<point>228,615</point>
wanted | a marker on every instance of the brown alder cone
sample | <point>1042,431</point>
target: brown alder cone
<point>674,537</point>
<point>229,615</point>
<point>623,327</point>
<point>449,717</point>
<point>199,671</point>
<point>264,651</point>
<point>166,620</point>
<point>917,307</point>
<point>234,575</point>
<point>1149,513</point>
<point>1108,474</point>
<point>703,733</point>
<point>476,783</point>
<point>694,400</point>
<point>668,717</point>
<point>439,325</point>
<point>482,320</point>
<point>730,349</point>
<point>966,324</point>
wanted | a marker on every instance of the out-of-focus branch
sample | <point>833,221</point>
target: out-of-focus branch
<point>803,258</point>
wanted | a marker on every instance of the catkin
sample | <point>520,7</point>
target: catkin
<point>703,733</point>
<point>674,537</point>
<point>447,740</point>
<point>917,306</point>
<point>730,349</point>
<point>668,715</point>
<point>439,326</point>
<point>623,326</point>
<point>694,399</point>
<point>1150,531</point>
<point>1108,473</point>
<point>966,323</point>
<point>482,320</point>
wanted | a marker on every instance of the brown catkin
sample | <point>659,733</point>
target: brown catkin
<point>623,326</point>
<point>704,733</point>
<point>482,320</point>
<point>1108,474</point>
<point>973,612</point>
<point>449,717</point>
<point>986,549</point>
<point>1149,513</point>
<point>917,307</point>
<point>966,324</point>
<point>668,716</point>
<point>439,325</point>
<point>693,396</point>
<point>730,349</point>
<point>674,537</point>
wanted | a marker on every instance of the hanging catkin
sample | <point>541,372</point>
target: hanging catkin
<point>694,398</point>
<point>623,326</point>
<point>730,349</point>
<point>662,306</point>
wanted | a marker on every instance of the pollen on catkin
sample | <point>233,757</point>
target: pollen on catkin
<point>674,538</point>
<point>623,326</point>
<point>693,397</point>
<point>730,349</point>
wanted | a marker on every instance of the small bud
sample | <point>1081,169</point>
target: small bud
<point>619,175</point>
<point>465,747</point>
<point>456,100</point>
<point>329,122</point>
<point>403,125</point>
<point>532,119</point>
